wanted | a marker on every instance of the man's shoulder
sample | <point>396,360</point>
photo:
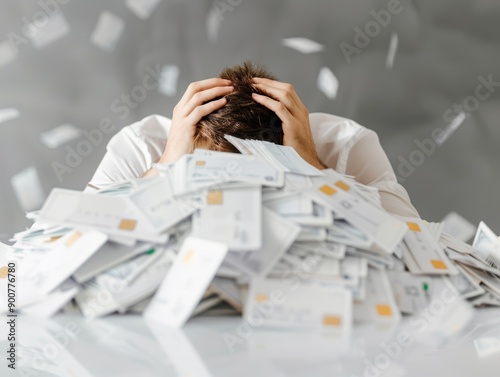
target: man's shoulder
<point>329,126</point>
<point>152,126</point>
<point>149,133</point>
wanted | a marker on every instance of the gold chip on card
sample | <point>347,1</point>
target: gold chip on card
<point>328,190</point>
<point>127,224</point>
<point>189,255</point>
<point>200,163</point>
<point>414,227</point>
<point>384,310</point>
<point>70,241</point>
<point>4,271</point>
<point>261,298</point>
<point>214,197</point>
<point>438,264</point>
<point>342,185</point>
<point>332,320</point>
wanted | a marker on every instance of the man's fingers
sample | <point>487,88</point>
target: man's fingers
<point>205,96</point>
<point>280,95</point>
<point>199,86</point>
<point>279,108</point>
<point>288,88</point>
<point>202,110</point>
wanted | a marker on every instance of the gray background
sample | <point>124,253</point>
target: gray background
<point>444,46</point>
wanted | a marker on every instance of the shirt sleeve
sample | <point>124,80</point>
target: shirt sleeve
<point>131,152</point>
<point>369,164</point>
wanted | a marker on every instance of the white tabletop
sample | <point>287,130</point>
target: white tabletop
<point>125,345</point>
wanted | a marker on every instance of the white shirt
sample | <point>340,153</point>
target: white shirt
<point>341,143</point>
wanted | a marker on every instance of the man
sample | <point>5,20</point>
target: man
<point>247,102</point>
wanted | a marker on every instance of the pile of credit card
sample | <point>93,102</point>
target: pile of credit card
<point>261,234</point>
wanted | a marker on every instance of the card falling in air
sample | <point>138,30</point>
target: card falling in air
<point>8,114</point>
<point>304,45</point>
<point>28,189</point>
<point>108,30</point>
<point>142,8</point>
<point>328,83</point>
<point>453,126</point>
<point>7,53</point>
<point>56,28</point>
<point>458,227</point>
<point>59,135</point>
<point>168,80</point>
<point>393,48</point>
<point>213,25</point>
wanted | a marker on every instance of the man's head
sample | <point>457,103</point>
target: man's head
<point>241,116</point>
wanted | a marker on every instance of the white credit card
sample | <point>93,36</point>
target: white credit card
<point>278,235</point>
<point>126,272</point>
<point>304,45</point>
<point>190,275</point>
<point>312,233</point>
<point>295,204</point>
<point>326,249</point>
<point>113,215</point>
<point>109,255</point>
<point>328,269</point>
<point>156,202</point>
<point>379,305</point>
<point>54,28</point>
<point>320,216</point>
<point>7,56</point>
<point>286,303</point>
<point>458,227</point>
<point>232,217</point>
<point>429,256</point>
<point>96,300</point>
<point>69,253</point>
<point>228,169</point>
<point>410,292</point>
<point>465,284</point>
<point>283,157</point>
<point>60,135</point>
<point>487,244</point>
<point>54,301</point>
<point>108,31</point>
<point>382,228</point>
<point>142,8</point>
<point>229,291</point>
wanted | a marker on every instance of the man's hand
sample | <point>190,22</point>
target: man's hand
<point>284,101</point>
<point>196,102</point>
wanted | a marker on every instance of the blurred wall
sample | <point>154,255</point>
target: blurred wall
<point>405,69</point>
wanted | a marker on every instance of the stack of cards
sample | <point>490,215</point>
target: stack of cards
<point>262,234</point>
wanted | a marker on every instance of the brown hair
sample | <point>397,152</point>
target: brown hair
<point>241,116</point>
